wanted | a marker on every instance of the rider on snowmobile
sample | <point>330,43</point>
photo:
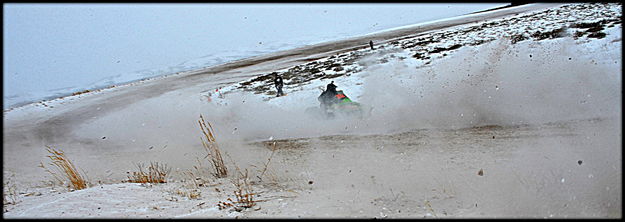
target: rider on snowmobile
<point>328,97</point>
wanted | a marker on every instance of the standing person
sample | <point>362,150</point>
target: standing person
<point>278,82</point>
<point>371,44</point>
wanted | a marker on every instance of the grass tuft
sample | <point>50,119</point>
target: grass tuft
<point>213,149</point>
<point>154,173</point>
<point>9,194</point>
<point>195,178</point>
<point>243,193</point>
<point>191,194</point>
<point>64,170</point>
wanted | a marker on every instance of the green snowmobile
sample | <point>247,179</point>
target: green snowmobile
<point>335,103</point>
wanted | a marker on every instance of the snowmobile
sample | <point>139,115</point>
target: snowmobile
<point>334,103</point>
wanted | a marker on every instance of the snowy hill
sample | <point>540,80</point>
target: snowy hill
<point>516,117</point>
<point>544,51</point>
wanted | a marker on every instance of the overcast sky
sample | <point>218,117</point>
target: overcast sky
<point>56,48</point>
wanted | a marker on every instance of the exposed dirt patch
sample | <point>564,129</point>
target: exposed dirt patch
<point>556,33</point>
<point>283,144</point>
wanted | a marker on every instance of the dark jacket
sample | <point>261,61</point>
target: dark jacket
<point>278,81</point>
<point>328,96</point>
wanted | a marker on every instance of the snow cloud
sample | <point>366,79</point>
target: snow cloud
<point>496,84</point>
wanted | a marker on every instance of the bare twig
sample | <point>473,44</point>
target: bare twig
<point>268,160</point>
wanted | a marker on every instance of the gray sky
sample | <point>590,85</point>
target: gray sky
<point>60,48</point>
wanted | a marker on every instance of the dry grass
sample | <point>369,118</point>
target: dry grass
<point>9,194</point>
<point>194,178</point>
<point>191,194</point>
<point>244,194</point>
<point>154,173</point>
<point>429,207</point>
<point>195,181</point>
<point>213,149</point>
<point>64,170</point>
<point>264,171</point>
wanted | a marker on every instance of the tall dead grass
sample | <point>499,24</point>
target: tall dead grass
<point>154,173</point>
<point>64,170</point>
<point>214,154</point>
<point>9,192</point>
<point>244,194</point>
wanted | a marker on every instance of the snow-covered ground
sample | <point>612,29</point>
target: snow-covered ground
<point>512,117</point>
<point>113,44</point>
<point>499,57</point>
